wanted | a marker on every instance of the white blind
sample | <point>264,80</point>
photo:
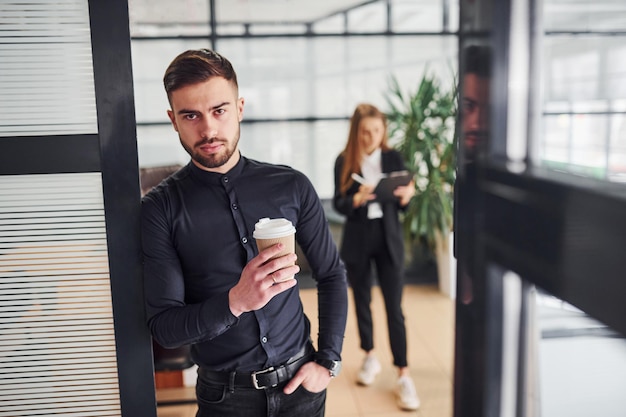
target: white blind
<point>57,342</point>
<point>46,71</point>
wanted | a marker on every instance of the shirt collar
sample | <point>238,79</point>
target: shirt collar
<point>216,177</point>
<point>374,157</point>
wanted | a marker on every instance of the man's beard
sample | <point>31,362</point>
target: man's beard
<point>475,141</point>
<point>214,160</point>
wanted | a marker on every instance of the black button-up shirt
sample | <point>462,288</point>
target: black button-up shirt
<point>197,237</point>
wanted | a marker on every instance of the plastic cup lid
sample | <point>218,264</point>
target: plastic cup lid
<point>267,228</point>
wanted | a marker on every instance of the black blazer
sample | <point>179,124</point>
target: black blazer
<point>353,240</point>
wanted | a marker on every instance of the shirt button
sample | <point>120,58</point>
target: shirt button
<point>225,179</point>
<point>264,339</point>
<point>235,206</point>
<point>244,240</point>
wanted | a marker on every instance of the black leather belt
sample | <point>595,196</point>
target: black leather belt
<point>265,378</point>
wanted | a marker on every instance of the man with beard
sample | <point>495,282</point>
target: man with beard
<point>475,100</point>
<point>473,141</point>
<point>206,284</point>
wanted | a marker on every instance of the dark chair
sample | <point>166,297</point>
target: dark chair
<point>177,359</point>
<point>151,177</point>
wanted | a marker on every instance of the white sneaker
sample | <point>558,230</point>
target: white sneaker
<point>369,370</point>
<point>406,393</point>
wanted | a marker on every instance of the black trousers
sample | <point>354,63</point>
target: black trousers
<point>391,282</point>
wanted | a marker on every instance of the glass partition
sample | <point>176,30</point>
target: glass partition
<point>581,363</point>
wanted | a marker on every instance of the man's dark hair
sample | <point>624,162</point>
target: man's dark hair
<point>477,61</point>
<point>195,66</point>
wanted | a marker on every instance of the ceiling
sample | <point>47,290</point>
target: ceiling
<point>237,11</point>
<point>178,17</point>
<point>280,10</point>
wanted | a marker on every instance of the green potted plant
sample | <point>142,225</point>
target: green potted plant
<point>422,128</point>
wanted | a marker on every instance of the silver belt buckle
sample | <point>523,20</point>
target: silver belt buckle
<point>255,382</point>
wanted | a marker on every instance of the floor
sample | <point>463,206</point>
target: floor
<point>430,329</point>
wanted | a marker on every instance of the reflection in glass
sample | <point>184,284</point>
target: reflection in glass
<point>475,100</point>
<point>584,85</point>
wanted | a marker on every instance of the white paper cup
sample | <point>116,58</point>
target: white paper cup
<point>268,232</point>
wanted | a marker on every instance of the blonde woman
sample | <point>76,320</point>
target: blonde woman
<point>373,233</point>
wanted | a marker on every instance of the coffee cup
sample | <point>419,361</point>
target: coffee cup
<point>268,232</point>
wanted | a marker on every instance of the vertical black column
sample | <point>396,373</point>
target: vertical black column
<point>120,177</point>
<point>477,296</point>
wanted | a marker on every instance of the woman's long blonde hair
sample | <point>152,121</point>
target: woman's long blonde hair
<point>353,153</point>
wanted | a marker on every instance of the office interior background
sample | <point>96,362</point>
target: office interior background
<point>302,67</point>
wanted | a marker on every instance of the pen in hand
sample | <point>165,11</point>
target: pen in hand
<point>365,191</point>
<point>358,178</point>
